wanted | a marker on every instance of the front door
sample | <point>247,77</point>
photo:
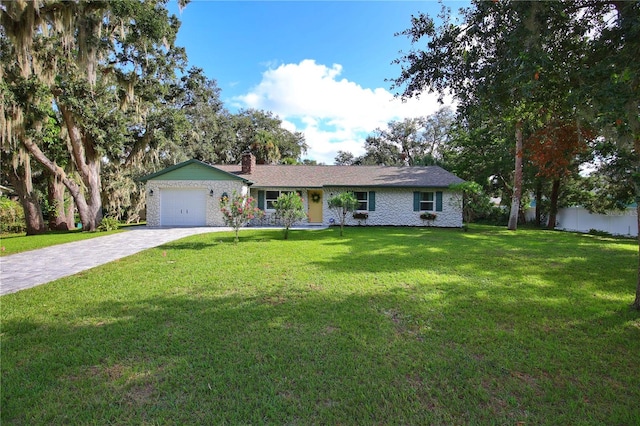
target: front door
<point>315,206</point>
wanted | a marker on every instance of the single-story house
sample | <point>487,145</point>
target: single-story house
<point>188,193</point>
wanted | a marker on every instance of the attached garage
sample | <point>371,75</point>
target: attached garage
<point>183,207</point>
<point>188,194</point>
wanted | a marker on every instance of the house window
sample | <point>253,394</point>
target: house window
<point>271,196</point>
<point>427,201</point>
<point>363,200</point>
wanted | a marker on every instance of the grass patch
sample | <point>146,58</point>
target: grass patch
<point>17,243</point>
<point>383,326</point>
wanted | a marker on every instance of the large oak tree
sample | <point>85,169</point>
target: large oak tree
<point>93,62</point>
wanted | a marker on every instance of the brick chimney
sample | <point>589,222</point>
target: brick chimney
<point>248,163</point>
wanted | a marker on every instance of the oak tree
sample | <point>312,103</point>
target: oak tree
<point>90,61</point>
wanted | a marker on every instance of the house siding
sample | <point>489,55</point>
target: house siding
<point>394,207</point>
<point>213,214</point>
<point>259,193</point>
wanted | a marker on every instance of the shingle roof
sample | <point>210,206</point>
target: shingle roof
<point>307,176</point>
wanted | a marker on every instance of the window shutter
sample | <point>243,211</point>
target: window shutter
<point>416,201</point>
<point>438,201</point>
<point>372,201</point>
<point>261,200</point>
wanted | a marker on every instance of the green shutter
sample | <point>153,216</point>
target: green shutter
<point>372,201</point>
<point>261,200</point>
<point>416,201</point>
<point>438,201</point>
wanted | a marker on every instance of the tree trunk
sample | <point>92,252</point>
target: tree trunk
<point>90,212</point>
<point>636,302</point>
<point>553,208</point>
<point>83,206</point>
<point>517,181</point>
<point>71,213</point>
<point>538,203</point>
<point>22,182</point>
<point>58,217</point>
<point>87,162</point>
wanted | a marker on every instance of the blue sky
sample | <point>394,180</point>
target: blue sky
<point>320,66</point>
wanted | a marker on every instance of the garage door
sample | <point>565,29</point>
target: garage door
<point>183,207</point>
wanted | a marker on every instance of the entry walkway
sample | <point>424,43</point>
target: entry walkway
<point>29,269</point>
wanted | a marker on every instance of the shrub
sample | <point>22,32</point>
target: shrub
<point>109,224</point>
<point>238,210</point>
<point>496,215</point>
<point>342,204</point>
<point>473,200</point>
<point>290,208</point>
<point>11,216</point>
<point>599,233</point>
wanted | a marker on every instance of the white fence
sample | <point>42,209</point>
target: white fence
<point>579,219</point>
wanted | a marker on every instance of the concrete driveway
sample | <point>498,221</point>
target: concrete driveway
<point>29,269</point>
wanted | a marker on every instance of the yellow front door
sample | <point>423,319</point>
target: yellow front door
<point>315,206</point>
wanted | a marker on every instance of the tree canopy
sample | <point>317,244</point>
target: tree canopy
<point>110,78</point>
<point>412,142</point>
<point>523,63</point>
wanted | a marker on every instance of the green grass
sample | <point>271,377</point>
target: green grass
<point>17,243</point>
<point>383,326</point>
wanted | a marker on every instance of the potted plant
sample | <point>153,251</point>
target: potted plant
<point>428,217</point>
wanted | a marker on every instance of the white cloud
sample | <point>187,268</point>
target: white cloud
<point>334,114</point>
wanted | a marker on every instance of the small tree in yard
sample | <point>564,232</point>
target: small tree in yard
<point>290,208</point>
<point>469,197</point>
<point>341,205</point>
<point>238,210</point>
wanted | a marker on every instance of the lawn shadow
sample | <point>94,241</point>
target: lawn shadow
<point>231,359</point>
<point>508,261</point>
<point>188,245</point>
<point>302,355</point>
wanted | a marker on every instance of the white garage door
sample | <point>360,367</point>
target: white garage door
<point>183,207</point>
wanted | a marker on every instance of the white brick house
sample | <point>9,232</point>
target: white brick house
<point>187,194</point>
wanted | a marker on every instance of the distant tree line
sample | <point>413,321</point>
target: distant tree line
<point>411,142</point>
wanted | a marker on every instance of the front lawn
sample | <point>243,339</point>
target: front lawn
<point>17,243</point>
<point>383,326</point>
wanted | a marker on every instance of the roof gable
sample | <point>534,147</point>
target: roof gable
<point>192,170</point>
